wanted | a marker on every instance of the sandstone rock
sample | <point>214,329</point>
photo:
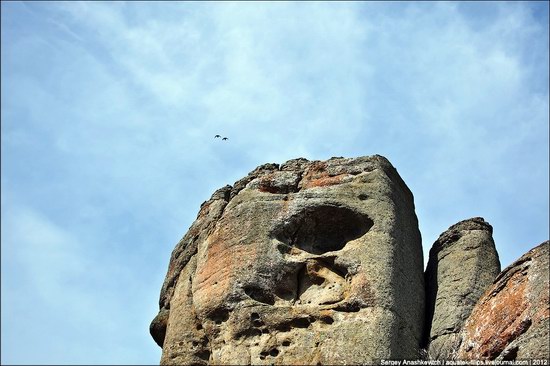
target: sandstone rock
<point>303,263</point>
<point>512,319</point>
<point>463,263</point>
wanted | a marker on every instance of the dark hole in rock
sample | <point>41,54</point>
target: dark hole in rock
<point>258,323</point>
<point>323,228</point>
<point>300,323</point>
<point>199,326</point>
<point>181,343</point>
<point>265,330</point>
<point>274,352</point>
<point>260,295</point>
<point>286,343</point>
<point>350,307</point>
<point>254,316</point>
<point>362,196</point>
<point>510,354</point>
<point>251,332</point>
<point>283,327</point>
<point>263,353</point>
<point>203,355</point>
<point>327,319</point>
<point>194,343</point>
<point>283,248</point>
<point>219,315</point>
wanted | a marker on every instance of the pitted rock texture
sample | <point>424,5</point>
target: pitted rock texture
<point>309,262</point>
<point>512,319</point>
<point>463,263</point>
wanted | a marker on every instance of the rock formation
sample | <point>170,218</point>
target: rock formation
<point>463,263</point>
<point>320,262</point>
<point>304,263</point>
<point>512,319</point>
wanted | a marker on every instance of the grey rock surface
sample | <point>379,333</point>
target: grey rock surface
<point>463,263</point>
<point>303,263</point>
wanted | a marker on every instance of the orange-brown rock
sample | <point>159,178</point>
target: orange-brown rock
<point>302,263</point>
<point>512,319</point>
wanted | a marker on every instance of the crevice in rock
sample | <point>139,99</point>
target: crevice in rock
<point>322,228</point>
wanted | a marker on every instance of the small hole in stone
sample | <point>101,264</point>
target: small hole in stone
<point>262,357</point>
<point>194,343</point>
<point>258,323</point>
<point>283,328</point>
<point>181,343</point>
<point>218,321</point>
<point>300,323</point>
<point>263,353</point>
<point>286,343</point>
<point>363,197</point>
<point>265,331</point>
<point>204,355</point>
<point>254,316</point>
<point>327,319</point>
<point>274,352</point>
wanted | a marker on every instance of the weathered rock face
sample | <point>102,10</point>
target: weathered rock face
<point>463,263</point>
<point>303,263</point>
<point>512,319</point>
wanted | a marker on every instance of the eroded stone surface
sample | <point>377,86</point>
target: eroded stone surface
<point>302,263</point>
<point>512,319</point>
<point>463,263</point>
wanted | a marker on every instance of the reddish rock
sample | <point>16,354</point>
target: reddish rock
<point>511,321</point>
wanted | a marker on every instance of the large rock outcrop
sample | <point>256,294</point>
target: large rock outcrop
<point>463,263</point>
<point>309,262</point>
<point>511,321</point>
<point>320,262</point>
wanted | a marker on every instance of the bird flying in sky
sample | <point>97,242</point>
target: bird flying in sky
<point>217,136</point>
<point>225,138</point>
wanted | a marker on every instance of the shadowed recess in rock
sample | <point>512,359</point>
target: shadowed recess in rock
<point>323,228</point>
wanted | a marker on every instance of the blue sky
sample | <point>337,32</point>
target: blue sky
<point>109,112</point>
